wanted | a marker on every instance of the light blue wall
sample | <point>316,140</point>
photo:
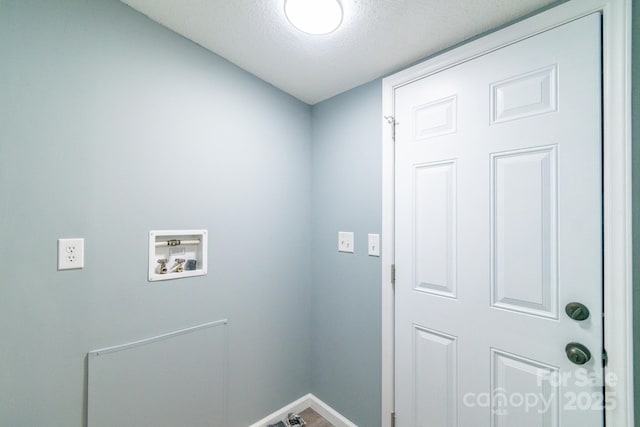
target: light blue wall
<point>346,294</point>
<point>636,200</point>
<point>111,126</point>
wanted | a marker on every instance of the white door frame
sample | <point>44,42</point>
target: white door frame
<point>616,32</point>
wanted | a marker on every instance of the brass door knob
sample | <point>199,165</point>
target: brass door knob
<point>577,353</point>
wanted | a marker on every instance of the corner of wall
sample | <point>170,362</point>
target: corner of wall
<point>635,132</point>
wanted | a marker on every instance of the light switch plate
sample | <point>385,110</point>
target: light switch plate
<point>374,244</point>
<point>70,254</point>
<point>345,241</point>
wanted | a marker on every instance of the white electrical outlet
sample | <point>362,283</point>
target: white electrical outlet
<point>70,254</point>
<point>345,241</point>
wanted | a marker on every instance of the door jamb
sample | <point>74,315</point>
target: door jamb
<point>616,102</point>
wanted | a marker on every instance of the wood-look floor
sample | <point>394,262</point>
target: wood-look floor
<point>313,419</point>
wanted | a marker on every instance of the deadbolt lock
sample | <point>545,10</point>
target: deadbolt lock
<point>577,311</point>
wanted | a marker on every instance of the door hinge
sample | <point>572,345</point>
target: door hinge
<point>393,274</point>
<point>393,419</point>
<point>392,121</point>
<point>605,358</point>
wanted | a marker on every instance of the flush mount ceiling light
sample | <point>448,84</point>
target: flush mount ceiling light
<point>314,16</point>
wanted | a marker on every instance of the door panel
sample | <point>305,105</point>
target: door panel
<point>522,377</point>
<point>525,95</point>
<point>498,227</point>
<point>435,382</point>
<point>524,209</point>
<point>435,227</point>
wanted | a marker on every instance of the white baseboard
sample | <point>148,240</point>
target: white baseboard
<point>307,401</point>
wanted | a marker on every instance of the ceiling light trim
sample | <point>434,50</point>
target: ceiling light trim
<point>314,17</point>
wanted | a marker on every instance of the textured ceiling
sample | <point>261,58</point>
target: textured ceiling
<point>377,37</point>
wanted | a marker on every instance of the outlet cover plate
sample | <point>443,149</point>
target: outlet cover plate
<point>345,241</point>
<point>70,254</point>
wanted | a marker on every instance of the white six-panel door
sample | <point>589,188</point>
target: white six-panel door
<point>498,227</point>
